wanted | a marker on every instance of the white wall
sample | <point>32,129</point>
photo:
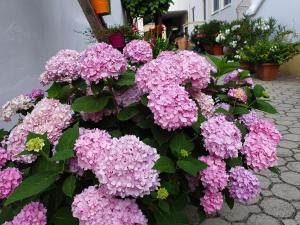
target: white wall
<point>187,5</point>
<point>227,13</point>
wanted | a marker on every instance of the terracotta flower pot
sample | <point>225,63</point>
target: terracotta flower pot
<point>217,50</point>
<point>207,48</point>
<point>248,66</point>
<point>117,40</point>
<point>268,71</point>
<point>101,6</point>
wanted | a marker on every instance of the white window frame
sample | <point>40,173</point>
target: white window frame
<point>222,6</point>
<point>228,4</point>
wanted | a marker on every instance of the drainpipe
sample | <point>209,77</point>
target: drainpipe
<point>254,7</point>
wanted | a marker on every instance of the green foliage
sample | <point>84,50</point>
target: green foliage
<point>90,103</point>
<point>165,164</point>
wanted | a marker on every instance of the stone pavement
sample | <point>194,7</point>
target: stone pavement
<point>279,203</point>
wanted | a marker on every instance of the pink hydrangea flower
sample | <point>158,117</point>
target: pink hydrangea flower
<point>206,103</point>
<point>193,68</point>
<point>221,137</point>
<point>172,107</point>
<point>158,72</point>
<point>249,119</point>
<point>233,76</point>
<point>214,177</point>
<point>94,206</point>
<point>166,54</point>
<point>101,61</point>
<point>243,185</point>
<point>36,93</point>
<point>127,169</point>
<point>138,51</point>
<point>63,67</point>
<point>10,179</point>
<point>239,94</point>
<point>92,145</point>
<point>4,156</point>
<point>74,167</point>
<point>32,214</point>
<point>128,97</point>
<point>212,201</point>
<point>96,116</point>
<point>222,105</point>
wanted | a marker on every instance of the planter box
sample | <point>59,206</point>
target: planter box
<point>268,71</point>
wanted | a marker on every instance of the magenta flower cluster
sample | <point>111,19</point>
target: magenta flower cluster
<point>260,145</point>
<point>91,146</point>
<point>128,97</point>
<point>10,179</point>
<point>63,67</point>
<point>4,156</point>
<point>221,137</point>
<point>243,185</point>
<point>101,61</point>
<point>234,77</point>
<point>138,51</point>
<point>94,206</point>
<point>238,94</point>
<point>212,202</point>
<point>36,93</point>
<point>127,169</point>
<point>166,54</point>
<point>249,118</point>
<point>32,214</point>
<point>172,108</point>
<point>95,116</point>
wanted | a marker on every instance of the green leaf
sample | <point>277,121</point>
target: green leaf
<point>126,79</point>
<point>31,186</point>
<point>244,74</point>
<point>196,125</point>
<point>127,113</point>
<point>235,162</point>
<point>3,133</point>
<point>240,110</point>
<point>173,218</point>
<point>160,135</point>
<point>144,100</point>
<point>97,88</point>
<point>54,90</point>
<point>223,97</point>
<point>242,128</point>
<point>191,166</point>
<point>115,133</point>
<point>64,216</point>
<point>65,92</point>
<point>69,186</point>
<point>265,106</point>
<point>171,186</point>
<point>258,90</point>
<point>164,206</point>
<point>80,84</point>
<point>275,170</point>
<point>6,214</point>
<point>181,141</point>
<point>165,164</point>
<point>65,146</point>
<point>229,200</point>
<point>44,165</point>
<point>90,103</point>
<point>202,215</point>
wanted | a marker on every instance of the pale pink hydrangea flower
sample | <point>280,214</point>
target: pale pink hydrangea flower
<point>101,61</point>
<point>221,137</point>
<point>4,156</point>
<point>233,76</point>
<point>10,179</point>
<point>206,103</point>
<point>138,51</point>
<point>172,107</point>
<point>63,67</point>
<point>10,108</point>
<point>214,177</point>
<point>96,116</point>
<point>92,145</point>
<point>74,167</point>
<point>127,169</point>
<point>243,185</point>
<point>128,97</point>
<point>238,94</point>
<point>33,213</point>
<point>36,93</point>
<point>158,72</point>
<point>94,206</point>
<point>166,54</point>
<point>193,68</point>
<point>249,119</point>
<point>212,202</point>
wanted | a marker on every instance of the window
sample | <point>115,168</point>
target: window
<point>227,2</point>
<point>204,10</point>
<point>193,12</point>
<point>216,5</point>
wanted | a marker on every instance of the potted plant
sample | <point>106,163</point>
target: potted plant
<point>270,54</point>
<point>101,7</point>
<point>246,56</point>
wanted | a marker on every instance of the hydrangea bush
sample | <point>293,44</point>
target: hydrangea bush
<point>130,140</point>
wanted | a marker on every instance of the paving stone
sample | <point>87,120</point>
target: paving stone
<point>288,144</point>
<point>295,130</point>
<point>294,166</point>
<point>215,221</point>
<point>290,222</point>
<point>281,162</point>
<point>283,152</point>
<point>266,193</point>
<point>291,137</point>
<point>281,127</point>
<point>238,213</point>
<point>291,178</point>
<point>286,191</point>
<point>289,159</point>
<point>297,156</point>
<point>275,180</point>
<point>296,205</point>
<point>283,122</point>
<point>277,208</point>
<point>264,182</point>
<point>297,218</point>
<point>262,219</point>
